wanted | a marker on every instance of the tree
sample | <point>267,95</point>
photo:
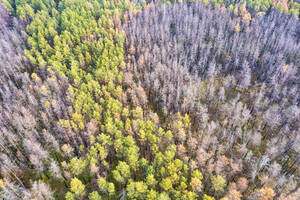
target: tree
<point>138,113</point>
<point>218,183</point>
<point>166,184</point>
<point>79,119</point>
<point>242,184</point>
<point>70,196</point>
<point>77,166</point>
<point>207,197</point>
<point>265,193</point>
<point>196,182</point>
<point>122,172</point>
<point>163,196</point>
<point>111,189</point>
<point>152,195</point>
<point>189,196</point>
<point>136,190</point>
<point>150,180</point>
<point>77,187</point>
<point>94,196</point>
<point>40,190</point>
<point>232,195</point>
<point>196,185</point>
<point>102,184</point>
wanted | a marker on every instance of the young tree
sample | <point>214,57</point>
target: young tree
<point>77,187</point>
<point>77,166</point>
<point>207,197</point>
<point>136,190</point>
<point>150,180</point>
<point>94,196</point>
<point>166,184</point>
<point>218,183</point>
<point>122,172</point>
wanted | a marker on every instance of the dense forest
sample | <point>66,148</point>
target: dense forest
<point>149,99</point>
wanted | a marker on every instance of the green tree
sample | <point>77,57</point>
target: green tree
<point>150,180</point>
<point>136,190</point>
<point>218,183</point>
<point>163,196</point>
<point>206,197</point>
<point>94,196</point>
<point>152,195</point>
<point>102,184</point>
<point>70,196</point>
<point>77,187</point>
<point>189,196</point>
<point>138,113</point>
<point>166,184</point>
<point>122,172</point>
<point>77,166</point>
<point>111,189</point>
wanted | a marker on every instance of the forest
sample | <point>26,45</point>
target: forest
<point>149,99</point>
